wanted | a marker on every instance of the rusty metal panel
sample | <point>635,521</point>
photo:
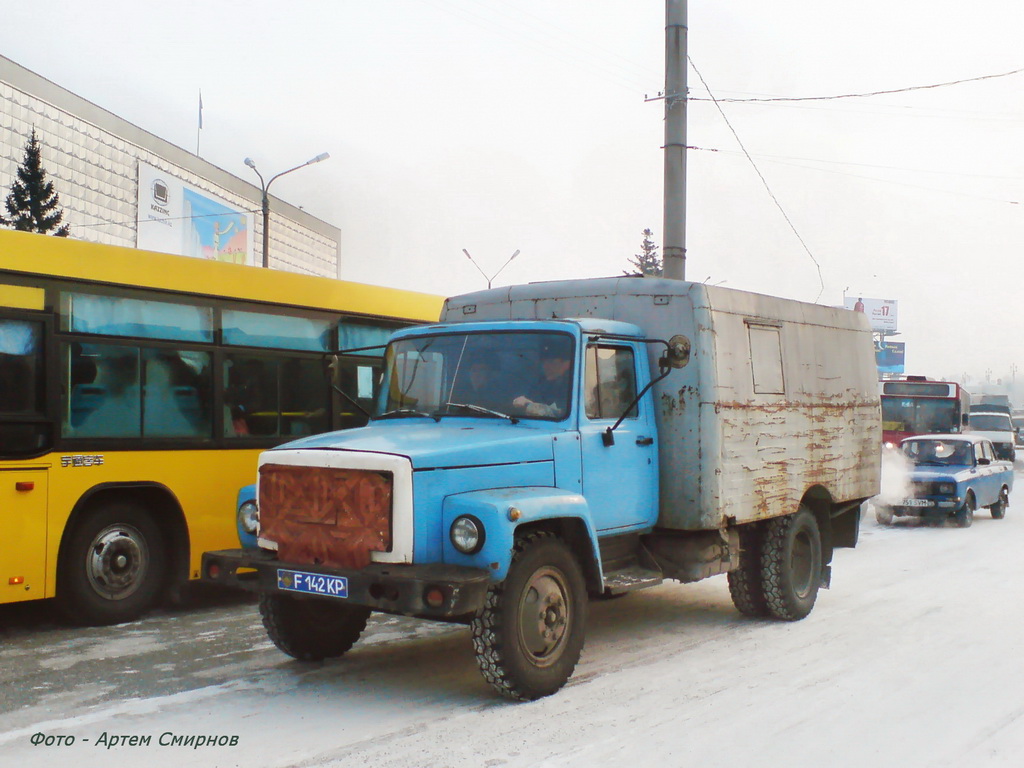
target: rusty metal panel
<point>325,515</point>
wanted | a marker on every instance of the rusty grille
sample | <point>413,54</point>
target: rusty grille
<point>325,516</point>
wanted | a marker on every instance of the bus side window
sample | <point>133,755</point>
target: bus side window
<point>105,398</point>
<point>250,396</point>
<point>177,394</point>
<point>304,391</point>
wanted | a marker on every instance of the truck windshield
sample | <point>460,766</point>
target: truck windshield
<point>990,422</point>
<point>517,374</point>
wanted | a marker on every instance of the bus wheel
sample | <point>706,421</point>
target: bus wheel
<point>528,637</point>
<point>312,630</point>
<point>791,564</point>
<point>113,567</point>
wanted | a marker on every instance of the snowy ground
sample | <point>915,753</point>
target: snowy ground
<point>913,658</point>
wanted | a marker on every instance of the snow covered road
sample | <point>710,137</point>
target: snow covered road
<point>913,658</point>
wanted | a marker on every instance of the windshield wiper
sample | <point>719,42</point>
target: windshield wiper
<point>406,413</point>
<point>482,411</point>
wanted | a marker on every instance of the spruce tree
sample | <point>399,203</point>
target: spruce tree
<point>647,262</point>
<point>33,205</point>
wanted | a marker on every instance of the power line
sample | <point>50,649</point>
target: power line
<point>857,95</point>
<point>764,181</point>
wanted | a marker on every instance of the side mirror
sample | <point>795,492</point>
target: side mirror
<point>983,460</point>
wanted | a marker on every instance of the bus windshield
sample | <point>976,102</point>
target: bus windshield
<point>919,415</point>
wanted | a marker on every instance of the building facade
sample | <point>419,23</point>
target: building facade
<point>121,185</point>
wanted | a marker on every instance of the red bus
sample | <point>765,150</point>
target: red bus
<point>917,406</point>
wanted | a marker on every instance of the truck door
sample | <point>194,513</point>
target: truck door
<point>620,481</point>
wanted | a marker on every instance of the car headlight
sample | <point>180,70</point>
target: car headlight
<point>467,534</point>
<point>947,488</point>
<point>248,517</point>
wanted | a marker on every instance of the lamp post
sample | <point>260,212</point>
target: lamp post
<point>266,199</point>
<point>489,279</point>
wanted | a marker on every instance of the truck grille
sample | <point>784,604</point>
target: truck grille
<point>324,515</point>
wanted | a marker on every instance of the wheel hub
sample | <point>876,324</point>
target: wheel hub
<point>544,616</point>
<point>116,562</point>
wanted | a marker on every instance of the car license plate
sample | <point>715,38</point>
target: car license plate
<point>312,583</point>
<point>916,503</point>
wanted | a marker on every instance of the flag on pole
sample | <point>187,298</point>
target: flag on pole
<point>200,107</point>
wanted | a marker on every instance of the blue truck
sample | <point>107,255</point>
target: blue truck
<point>549,443</point>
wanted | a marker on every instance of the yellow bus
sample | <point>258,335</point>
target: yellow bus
<point>136,391</point>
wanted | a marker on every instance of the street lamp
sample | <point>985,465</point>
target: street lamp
<point>266,199</point>
<point>489,279</point>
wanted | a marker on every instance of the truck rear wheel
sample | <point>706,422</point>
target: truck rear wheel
<point>310,629</point>
<point>529,635</point>
<point>745,583</point>
<point>791,561</point>
<point>113,567</point>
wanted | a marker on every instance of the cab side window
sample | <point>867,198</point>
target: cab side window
<point>609,382</point>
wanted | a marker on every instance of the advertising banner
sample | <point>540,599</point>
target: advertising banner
<point>890,356</point>
<point>881,312</point>
<point>175,217</point>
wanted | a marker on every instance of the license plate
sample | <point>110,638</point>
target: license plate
<point>312,583</point>
<point>916,503</point>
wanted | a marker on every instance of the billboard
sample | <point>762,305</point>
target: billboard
<point>890,356</point>
<point>881,312</point>
<point>175,217</point>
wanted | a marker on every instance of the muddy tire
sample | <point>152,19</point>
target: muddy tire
<point>529,635</point>
<point>113,567</point>
<point>964,516</point>
<point>791,563</point>
<point>998,509</point>
<point>310,629</point>
<point>746,582</point>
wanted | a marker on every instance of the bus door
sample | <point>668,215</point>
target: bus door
<point>26,433</point>
<point>23,520</point>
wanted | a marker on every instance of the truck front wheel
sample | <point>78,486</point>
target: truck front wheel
<point>791,563</point>
<point>529,635</point>
<point>309,629</point>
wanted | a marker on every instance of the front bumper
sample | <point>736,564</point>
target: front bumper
<point>382,587</point>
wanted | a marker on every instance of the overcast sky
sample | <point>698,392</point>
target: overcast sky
<point>496,125</point>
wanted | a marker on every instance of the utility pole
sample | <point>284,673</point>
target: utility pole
<point>674,247</point>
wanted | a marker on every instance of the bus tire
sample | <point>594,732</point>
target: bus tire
<point>529,635</point>
<point>746,586</point>
<point>791,563</point>
<point>114,566</point>
<point>310,629</point>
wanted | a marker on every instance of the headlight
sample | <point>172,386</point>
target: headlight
<point>947,488</point>
<point>248,517</point>
<point>467,534</point>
